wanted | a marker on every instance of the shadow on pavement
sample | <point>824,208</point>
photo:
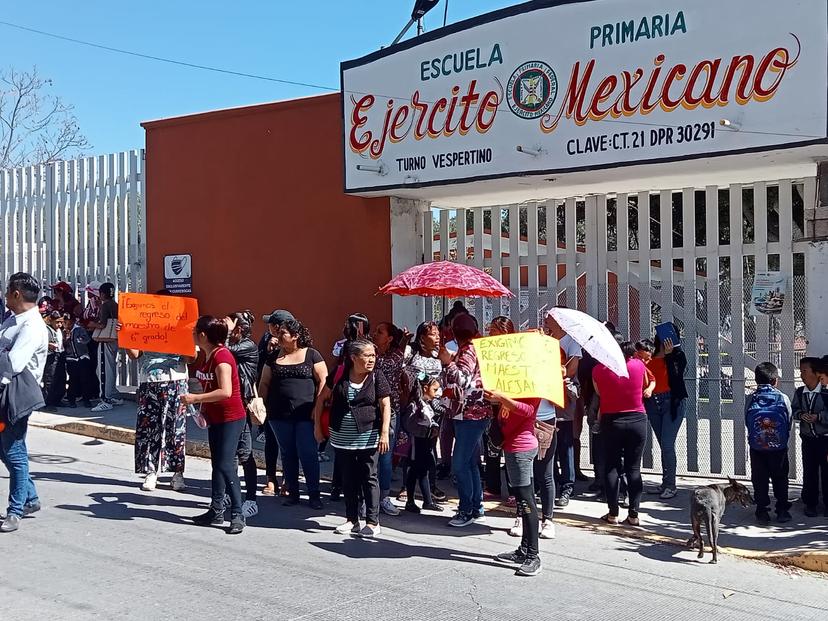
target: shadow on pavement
<point>355,548</point>
<point>663,552</point>
<point>195,487</point>
<point>129,506</point>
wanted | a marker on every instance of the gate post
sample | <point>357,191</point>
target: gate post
<point>407,249</point>
<point>816,265</point>
<point>51,231</point>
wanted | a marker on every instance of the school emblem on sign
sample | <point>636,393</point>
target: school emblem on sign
<point>532,90</point>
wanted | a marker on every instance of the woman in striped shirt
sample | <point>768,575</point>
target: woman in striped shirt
<point>360,420</point>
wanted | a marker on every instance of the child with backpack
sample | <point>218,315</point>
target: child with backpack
<point>422,422</point>
<point>768,419</point>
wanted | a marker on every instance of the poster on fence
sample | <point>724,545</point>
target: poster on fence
<point>158,323</point>
<point>767,297</point>
<point>522,365</point>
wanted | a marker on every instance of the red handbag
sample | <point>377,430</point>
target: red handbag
<point>325,417</point>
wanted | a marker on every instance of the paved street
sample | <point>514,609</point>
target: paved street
<point>102,549</point>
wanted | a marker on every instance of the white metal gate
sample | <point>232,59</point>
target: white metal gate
<point>79,221</point>
<point>686,255</point>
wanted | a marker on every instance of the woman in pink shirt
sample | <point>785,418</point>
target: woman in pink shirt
<point>520,446</point>
<point>624,430</point>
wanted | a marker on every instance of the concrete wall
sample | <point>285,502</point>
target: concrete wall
<point>255,195</point>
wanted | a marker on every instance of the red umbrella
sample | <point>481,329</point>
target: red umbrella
<point>447,279</point>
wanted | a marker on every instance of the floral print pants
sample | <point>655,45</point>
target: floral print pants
<point>160,431</point>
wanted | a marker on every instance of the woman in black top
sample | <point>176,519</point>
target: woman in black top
<point>246,353</point>
<point>290,386</point>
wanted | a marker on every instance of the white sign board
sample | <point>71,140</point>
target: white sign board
<point>537,88</point>
<point>178,274</point>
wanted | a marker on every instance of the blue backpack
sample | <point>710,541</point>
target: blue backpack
<point>767,420</point>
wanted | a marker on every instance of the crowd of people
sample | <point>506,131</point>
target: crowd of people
<point>81,363</point>
<point>391,400</point>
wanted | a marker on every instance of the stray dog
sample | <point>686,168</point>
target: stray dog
<point>707,505</point>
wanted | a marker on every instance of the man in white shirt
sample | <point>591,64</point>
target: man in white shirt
<point>25,337</point>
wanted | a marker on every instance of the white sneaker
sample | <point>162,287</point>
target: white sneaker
<point>250,508</point>
<point>177,483</point>
<point>150,482</point>
<point>116,402</point>
<point>347,527</point>
<point>388,507</point>
<point>103,406</point>
<point>369,531</point>
<point>547,530</point>
<point>668,493</point>
<point>517,529</point>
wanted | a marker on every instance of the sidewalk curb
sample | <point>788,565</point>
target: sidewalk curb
<point>90,429</point>
<point>816,561</point>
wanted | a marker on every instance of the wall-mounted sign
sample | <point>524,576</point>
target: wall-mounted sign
<point>549,87</point>
<point>178,274</point>
<point>767,297</point>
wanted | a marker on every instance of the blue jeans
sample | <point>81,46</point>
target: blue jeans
<point>465,463</point>
<point>15,456</point>
<point>298,444</point>
<point>665,429</point>
<point>565,455</point>
<point>386,463</point>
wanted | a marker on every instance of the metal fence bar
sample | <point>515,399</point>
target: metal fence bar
<point>737,312</point>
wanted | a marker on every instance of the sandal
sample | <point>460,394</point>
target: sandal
<point>632,521</point>
<point>269,489</point>
<point>610,519</point>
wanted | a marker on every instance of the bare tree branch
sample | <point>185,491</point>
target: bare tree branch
<point>36,126</point>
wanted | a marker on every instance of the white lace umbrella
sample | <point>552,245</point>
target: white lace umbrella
<point>592,336</point>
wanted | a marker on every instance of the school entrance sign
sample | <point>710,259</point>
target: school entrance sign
<point>552,87</point>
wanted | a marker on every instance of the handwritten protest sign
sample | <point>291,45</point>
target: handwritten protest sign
<point>522,365</point>
<point>157,323</point>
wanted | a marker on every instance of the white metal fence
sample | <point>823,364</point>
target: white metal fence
<point>79,221</point>
<point>686,255</point>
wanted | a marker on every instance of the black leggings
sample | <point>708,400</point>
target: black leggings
<point>419,467</point>
<point>623,436</point>
<point>544,475</point>
<point>493,455</point>
<point>224,442</point>
<point>528,512</point>
<point>271,454</point>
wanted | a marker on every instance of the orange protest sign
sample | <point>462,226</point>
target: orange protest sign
<point>522,366</point>
<point>158,323</point>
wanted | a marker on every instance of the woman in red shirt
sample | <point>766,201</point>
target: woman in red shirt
<point>624,430</point>
<point>520,445</point>
<point>222,407</point>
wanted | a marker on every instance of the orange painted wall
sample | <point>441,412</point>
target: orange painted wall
<point>255,196</point>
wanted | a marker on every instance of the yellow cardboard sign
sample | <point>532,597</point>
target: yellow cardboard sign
<point>522,365</point>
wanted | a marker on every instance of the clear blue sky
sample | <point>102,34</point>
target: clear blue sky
<point>112,93</point>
